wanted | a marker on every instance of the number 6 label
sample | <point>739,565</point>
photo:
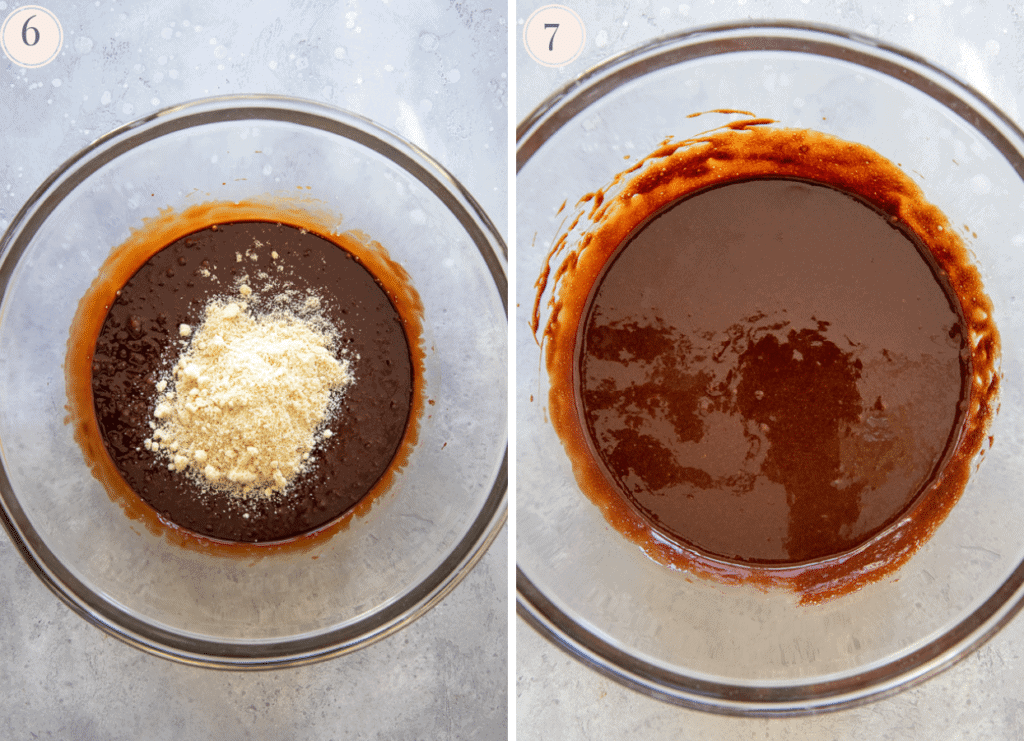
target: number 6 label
<point>554,35</point>
<point>31,36</point>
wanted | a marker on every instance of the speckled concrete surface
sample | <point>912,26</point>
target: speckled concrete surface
<point>979,698</point>
<point>435,72</point>
<point>443,677</point>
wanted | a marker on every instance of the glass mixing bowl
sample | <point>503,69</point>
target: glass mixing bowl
<point>389,565</point>
<point>738,649</point>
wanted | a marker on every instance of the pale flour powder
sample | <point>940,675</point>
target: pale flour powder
<point>241,409</point>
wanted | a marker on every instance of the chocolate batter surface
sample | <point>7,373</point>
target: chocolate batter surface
<point>139,340</point>
<point>771,371</point>
<point>791,353</point>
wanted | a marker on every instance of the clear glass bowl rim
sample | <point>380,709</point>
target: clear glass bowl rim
<point>533,606</point>
<point>464,554</point>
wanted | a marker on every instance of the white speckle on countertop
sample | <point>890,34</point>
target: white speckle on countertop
<point>56,82</point>
<point>105,98</point>
<point>272,64</point>
<point>601,40</point>
<point>128,109</point>
<point>267,169</point>
<point>213,159</point>
<point>409,125</point>
<point>453,76</point>
<point>339,52</point>
<point>83,45</point>
<point>166,32</point>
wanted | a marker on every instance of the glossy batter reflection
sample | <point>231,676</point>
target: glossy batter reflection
<point>771,371</point>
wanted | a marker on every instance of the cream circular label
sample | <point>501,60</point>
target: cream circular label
<point>554,35</point>
<point>31,36</point>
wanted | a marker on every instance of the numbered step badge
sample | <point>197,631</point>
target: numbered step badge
<point>31,36</point>
<point>554,35</point>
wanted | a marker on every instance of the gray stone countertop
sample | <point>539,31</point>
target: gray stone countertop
<point>434,72</point>
<point>979,698</point>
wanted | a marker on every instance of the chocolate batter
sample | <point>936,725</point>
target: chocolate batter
<point>771,359</point>
<point>785,383</point>
<point>139,340</point>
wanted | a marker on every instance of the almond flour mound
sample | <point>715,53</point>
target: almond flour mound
<point>241,408</point>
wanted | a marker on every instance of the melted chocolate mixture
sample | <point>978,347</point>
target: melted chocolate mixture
<point>771,372</point>
<point>139,341</point>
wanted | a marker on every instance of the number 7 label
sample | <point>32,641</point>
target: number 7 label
<point>551,44</point>
<point>541,30</point>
